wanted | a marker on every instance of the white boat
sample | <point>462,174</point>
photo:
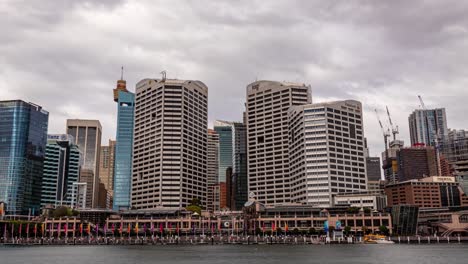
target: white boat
<point>383,241</point>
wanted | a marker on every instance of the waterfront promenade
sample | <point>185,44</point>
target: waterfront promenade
<point>223,240</point>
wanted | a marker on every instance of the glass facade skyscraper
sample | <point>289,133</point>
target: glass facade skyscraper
<point>61,169</point>
<point>225,133</point>
<point>233,154</point>
<point>123,149</point>
<point>426,125</point>
<point>23,137</point>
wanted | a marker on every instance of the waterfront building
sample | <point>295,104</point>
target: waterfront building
<point>429,192</point>
<point>427,125</point>
<point>124,146</point>
<point>371,200</point>
<point>87,135</point>
<point>326,153</point>
<point>212,169</point>
<point>23,139</point>
<point>405,219</point>
<point>61,170</point>
<point>266,116</point>
<point>106,174</point>
<point>170,143</point>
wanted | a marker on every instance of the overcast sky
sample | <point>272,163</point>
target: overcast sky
<point>66,55</point>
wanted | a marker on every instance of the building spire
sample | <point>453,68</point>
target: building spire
<point>121,73</point>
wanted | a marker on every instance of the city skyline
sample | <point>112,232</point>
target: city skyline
<point>409,54</point>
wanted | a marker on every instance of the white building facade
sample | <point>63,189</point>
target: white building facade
<point>326,151</point>
<point>170,143</point>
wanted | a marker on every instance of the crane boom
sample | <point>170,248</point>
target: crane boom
<point>386,134</point>
<point>394,129</point>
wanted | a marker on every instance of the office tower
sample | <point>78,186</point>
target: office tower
<point>170,143</point>
<point>225,132</point>
<point>373,169</point>
<point>416,163</point>
<point>61,170</point>
<point>212,168</point>
<point>233,154</point>
<point>23,138</point>
<point>124,147</point>
<point>106,174</point>
<point>266,117</point>
<point>427,125</point>
<point>326,151</point>
<point>454,149</point>
<point>87,135</point>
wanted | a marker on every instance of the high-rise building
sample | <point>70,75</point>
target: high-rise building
<point>233,154</point>
<point>61,170</point>
<point>373,169</point>
<point>23,139</point>
<point>170,143</point>
<point>266,117</point>
<point>124,147</point>
<point>225,132</point>
<point>416,163</point>
<point>87,135</point>
<point>106,174</point>
<point>212,168</point>
<point>427,125</point>
<point>454,150</point>
<point>327,151</point>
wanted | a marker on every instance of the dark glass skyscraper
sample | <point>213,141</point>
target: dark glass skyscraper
<point>225,132</point>
<point>233,154</point>
<point>23,137</point>
<point>123,149</point>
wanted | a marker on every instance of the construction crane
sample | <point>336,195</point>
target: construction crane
<point>431,130</point>
<point>386,133</point>
<point>395,130</point>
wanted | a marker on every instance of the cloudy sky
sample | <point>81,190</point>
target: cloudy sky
<point>66,55</point>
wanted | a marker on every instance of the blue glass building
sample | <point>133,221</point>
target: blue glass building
<point>124,146</point>
<point>23,137</point>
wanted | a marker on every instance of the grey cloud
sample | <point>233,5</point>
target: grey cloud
<point>66,55</point>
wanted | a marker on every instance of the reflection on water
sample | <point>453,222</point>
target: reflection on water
<point>442,253</point>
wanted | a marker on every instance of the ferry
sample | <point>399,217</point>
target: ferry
<point>377,239</point>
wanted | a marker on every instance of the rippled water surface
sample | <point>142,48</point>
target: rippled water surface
<point>434,253</point>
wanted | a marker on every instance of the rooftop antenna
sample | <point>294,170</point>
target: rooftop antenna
<point>121,73</point>
<point>163,78</point>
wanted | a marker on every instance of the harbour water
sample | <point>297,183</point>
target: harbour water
<point>234,254</point>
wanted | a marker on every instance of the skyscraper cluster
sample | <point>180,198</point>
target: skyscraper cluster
<point>286,150</point>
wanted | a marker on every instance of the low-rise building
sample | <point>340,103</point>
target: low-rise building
<point>435,191</point>
<point>374,201</point>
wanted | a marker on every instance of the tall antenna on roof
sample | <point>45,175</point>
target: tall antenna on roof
<point>121,73</point>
